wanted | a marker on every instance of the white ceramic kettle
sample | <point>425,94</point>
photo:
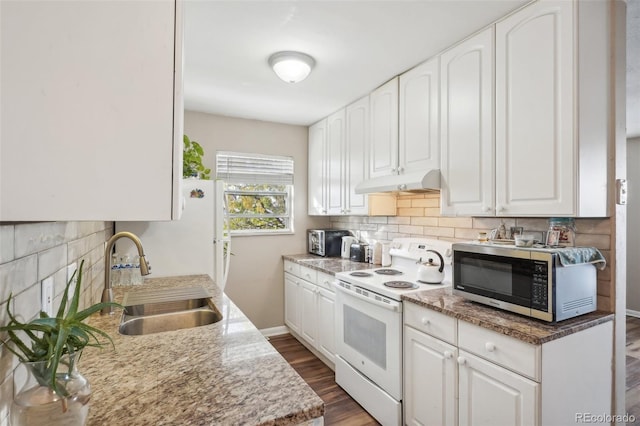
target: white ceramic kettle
<point>429,272</point>
<point>345,252</point>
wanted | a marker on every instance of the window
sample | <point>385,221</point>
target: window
<point>258,192</point>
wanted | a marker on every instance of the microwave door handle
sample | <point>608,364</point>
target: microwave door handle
<point>395,307</point>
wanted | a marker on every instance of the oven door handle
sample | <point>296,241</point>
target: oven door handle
<point>393,306</point>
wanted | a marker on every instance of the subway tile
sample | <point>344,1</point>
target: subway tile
<point>18,275</point>
<point>605,274</point>
<point>605,303</point>
<point>466,234</point>
<point>593,226</point>
<point>424,221</point>
<point>51,260</point>
<point>80,247</point>
<point>410,196</point>
<point>594,240</point>
<point>378,219</point>
<point>59,281</point>
<point>28,303</point>
<point>410,211</point>
<point>368,227</point>
<point>426,202</point>
<point>393,235</point>
<point>439,232</point>
<point>388,228</point>
<point>455,222</point>
<point>34,237</point>
<point>6,243</point>
<point>399,220</point>
<point>410,229</point>
<point>533,224</point>
<point>6,390</point>
<point>432,211</point>
<point>401,203</point>
<point>604,288</point>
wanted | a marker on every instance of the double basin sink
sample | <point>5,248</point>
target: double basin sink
<point>158,310</point>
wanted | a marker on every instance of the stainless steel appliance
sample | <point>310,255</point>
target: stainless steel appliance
<point>524,280</point>
<point>369,326</point>
<point>358,252</point>
<point>326,242</point>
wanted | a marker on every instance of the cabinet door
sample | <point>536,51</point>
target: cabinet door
<point>326,342</point>
<point>419,143</point>
<point>335,162</point>
<point>308,311</point>
<point>316,166</point>
<point>535,164</point>
<point>429,380</point>
<point>466,76</point>
<point>356,156</point>
<point>87,107</point>
<point>292,303</point>
<point>383,148</point>
<point>492,395</point>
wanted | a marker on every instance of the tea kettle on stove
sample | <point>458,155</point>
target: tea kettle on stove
<point>429,272</point>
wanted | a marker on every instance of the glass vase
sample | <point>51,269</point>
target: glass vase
<point>38,404</point>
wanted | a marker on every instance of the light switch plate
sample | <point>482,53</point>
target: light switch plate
<point>47,296</point>
<point>621,191</point>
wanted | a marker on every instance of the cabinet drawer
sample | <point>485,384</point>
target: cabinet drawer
<point>506,351</point>
<point>292,268</point>
<point>325,281</point>
<point>308,274</point>
<point>431,322</point>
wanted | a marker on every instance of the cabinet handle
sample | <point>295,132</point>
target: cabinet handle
<point>401,170</point>
<point>324,211</point>
<point>402,187</point>
<point>461,360</point>
<point>448,354</point>
<point>485,209</point>
<point>425,321</point>
<point>499,208</point>
<point>490,346</point>
<point>394,170</point>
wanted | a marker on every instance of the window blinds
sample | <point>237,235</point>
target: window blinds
<point>240,167</point>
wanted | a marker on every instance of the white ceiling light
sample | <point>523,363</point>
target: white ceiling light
<point>291,67</point>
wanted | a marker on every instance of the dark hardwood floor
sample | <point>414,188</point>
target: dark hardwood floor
<point>633,367</point>
<point>340,408</point>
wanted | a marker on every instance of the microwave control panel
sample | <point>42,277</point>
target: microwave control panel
<point>540,286</point>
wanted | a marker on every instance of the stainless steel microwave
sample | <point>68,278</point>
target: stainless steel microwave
<point>325,242</point>
<point>527,281</point>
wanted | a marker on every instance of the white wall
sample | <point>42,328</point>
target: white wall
<point>255,281</point>
<point>633,226</point>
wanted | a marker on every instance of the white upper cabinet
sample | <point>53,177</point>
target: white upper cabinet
<point>91,110</point>
<point>467,139</point>
<point>419,144</point>
<point>335,162</point>
<point>316,166</point>
<point>383,147</point>
<point>356,156</point>
<point>535,143</point>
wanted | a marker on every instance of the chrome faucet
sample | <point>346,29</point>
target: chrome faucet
<point>107,293</point>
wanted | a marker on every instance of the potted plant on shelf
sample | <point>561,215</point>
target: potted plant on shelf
<point>192,160</point>
<point>50,352</point>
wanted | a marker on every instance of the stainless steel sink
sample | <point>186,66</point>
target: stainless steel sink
<point>155,311</point>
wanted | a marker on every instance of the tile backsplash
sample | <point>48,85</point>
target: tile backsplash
<point>31,252</point>
<point>419,216</point>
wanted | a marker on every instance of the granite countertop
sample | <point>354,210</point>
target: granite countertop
<point>329,265</point>
<point>223,373</point>
<point>526,329</point>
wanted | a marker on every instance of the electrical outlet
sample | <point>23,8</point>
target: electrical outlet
<point>47,296</point>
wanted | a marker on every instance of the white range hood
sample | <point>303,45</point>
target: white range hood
<point>417,181</point>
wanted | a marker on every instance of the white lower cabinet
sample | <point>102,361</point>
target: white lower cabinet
<point>309,302</point>
<point>457,373</point>
<point>491,395</point>
<point>430,388</point>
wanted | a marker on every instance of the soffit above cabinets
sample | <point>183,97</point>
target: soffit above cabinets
<point>357,45</point>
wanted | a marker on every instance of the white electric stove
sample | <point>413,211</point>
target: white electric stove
<point>369,325</point>
<point>401,276</point>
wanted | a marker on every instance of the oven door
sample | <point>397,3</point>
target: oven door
<point>369,336</point>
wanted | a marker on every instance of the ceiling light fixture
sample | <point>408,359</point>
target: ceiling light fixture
<point>291,67</point>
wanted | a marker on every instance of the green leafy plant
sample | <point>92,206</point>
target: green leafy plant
<point>52,337</point>
<point>192,160</point>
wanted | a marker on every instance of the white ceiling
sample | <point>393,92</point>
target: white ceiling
<point>357,45</point>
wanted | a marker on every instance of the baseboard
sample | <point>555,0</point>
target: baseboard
<point>632,313</point>
<point>274,331</point>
